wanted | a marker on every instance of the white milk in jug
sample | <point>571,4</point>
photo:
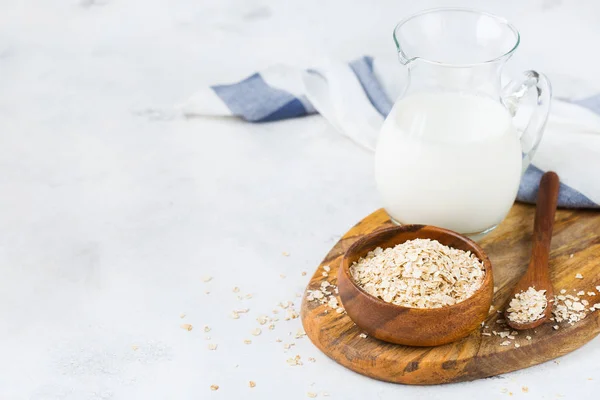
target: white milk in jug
<point>450,160</point>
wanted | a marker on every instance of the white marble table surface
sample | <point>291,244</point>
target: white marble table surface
<point>109,219</point>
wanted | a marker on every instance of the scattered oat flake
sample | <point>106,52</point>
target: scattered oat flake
<point>285,254</point>
<point>187,327</point>
<point>207,278</point>
<point>569,309</point>
<point>247,341</point>
<point>252,384</point>
<point>234,315</point>
<point>591,293</point>
<point>311,359</point>
<point>291,314</point>
<point>325,394</point>
<point>212,346</point>
<point>207,292</point>
<point>333,302</point>
<point>528,337</point>
<point>581,293</point>
<point>327,268</point>
<point>579,276</point>
<point>282,276</point>
<point>486,334</point>
<point>206,328</point>
<point>278,340</point>
<point>555,327</point>
<point>214,387</point>
<point>525,389</point>
<point>300,333</point>
<point>236,289</point>
<point>598,288</point>
<point>303,273</point>
<point>563,291</point>
<point>517,345</point>
<point>135,347</point>
<point>287,304</point>
<point>315,294</point>
<point>293,361</point>
<point>325,274</point>
<point>505,343</point>
<point>363,335</point>
<point>312,395</point>
<point>256,332</point>
<point>181,315</point>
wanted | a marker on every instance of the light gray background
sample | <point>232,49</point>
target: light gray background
<point>110,218</point>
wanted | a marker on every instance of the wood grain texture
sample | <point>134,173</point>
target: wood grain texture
<point>413,326</point>
<point>476,356</point>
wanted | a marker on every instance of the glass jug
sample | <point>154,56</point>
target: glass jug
<point>449,153</point>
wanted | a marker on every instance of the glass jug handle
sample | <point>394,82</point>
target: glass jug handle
<point>513,95</point>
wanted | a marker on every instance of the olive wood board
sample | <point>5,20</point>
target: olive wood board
<point>575,249</point>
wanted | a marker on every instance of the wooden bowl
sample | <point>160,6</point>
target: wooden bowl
<point>413,326</point>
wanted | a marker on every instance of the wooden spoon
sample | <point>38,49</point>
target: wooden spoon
<point>538,275</point>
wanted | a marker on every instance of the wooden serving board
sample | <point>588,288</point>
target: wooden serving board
<point>576,233</point>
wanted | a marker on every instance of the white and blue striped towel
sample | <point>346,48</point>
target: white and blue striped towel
<point>355,98</point>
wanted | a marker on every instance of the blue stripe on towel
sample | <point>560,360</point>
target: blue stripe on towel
<point>255,101</point>
<point>363,69</point>
<point>293,109</point>
<point>567,196</point>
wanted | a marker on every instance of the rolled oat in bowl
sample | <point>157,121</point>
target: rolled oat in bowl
<point>419,273</point>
